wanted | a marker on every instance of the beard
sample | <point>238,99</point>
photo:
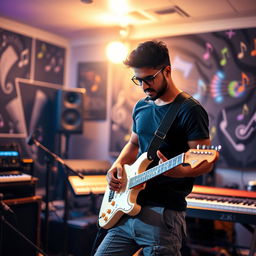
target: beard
<point>159,93</point>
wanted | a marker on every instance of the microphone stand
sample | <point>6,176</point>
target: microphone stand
<point>53,156</point>
<point>4,209</point>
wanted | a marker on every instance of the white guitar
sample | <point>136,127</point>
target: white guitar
<point>115,204</point>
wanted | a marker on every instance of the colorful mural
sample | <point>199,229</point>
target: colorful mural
<point>219,70</point>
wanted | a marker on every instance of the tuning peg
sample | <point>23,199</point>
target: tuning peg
<point>218,148</point>
<point>200,147</point>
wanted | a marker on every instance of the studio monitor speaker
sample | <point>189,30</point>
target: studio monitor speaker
<point>69,111</point>
<point>26,219</point>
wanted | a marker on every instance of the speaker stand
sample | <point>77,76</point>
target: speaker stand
<point>67,137</point>
<point>65,195</point>
<point>49,162</point>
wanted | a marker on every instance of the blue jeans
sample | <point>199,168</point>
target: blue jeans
<point>159,231</point>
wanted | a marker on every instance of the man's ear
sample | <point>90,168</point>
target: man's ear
<point>168,69</point>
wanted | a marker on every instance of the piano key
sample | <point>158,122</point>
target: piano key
<point>14,177</point>
<point>229,204</point>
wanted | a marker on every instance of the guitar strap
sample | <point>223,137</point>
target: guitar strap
<point>166,124</point>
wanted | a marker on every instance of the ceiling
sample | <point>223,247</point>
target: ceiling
<point>73,18</point>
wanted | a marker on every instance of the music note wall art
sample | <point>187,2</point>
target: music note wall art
<point>49,63</point>
<point>42,51</point>
<point>4,41</point>
<point>243,49</point>
<point>224,53</point>
<point>230,33</point>
<point>1,121</point>
<point>253,52</point>
<point>243,132</point>
<point>208,51</point>
<point>245,111</point>
<point>237,89</point>
<point>223,127</point>
<point>24,58</point>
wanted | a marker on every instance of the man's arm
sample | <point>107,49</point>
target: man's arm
<point>128,155</point>
<point>182,171</point>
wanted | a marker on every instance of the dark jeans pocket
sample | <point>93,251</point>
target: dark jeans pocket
<point>174,221</point>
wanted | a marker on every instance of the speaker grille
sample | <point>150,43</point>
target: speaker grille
<point>72,98</point>
<point>71,118</point>
<point>69,111</point>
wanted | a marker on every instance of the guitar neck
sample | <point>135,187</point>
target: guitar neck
<point>156,170</point>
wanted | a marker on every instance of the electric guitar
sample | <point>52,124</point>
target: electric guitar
<point>115,204</point>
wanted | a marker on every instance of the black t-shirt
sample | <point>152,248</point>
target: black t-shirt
<point>191,123</point>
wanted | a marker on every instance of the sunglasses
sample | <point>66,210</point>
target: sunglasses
<point>147,80</point>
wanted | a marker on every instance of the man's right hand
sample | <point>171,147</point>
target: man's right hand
<point>114,177</point>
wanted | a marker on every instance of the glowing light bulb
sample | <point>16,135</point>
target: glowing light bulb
<point>116,51</point>
<point>119,6</point>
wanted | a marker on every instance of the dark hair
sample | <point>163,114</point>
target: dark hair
<point>150,54</point>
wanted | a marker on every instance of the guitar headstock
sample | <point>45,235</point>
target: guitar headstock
<point>194,157</point>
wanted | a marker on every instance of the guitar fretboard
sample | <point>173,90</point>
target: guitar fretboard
<point>156,170</point>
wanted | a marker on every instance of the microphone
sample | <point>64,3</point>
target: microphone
<point>34,135</point>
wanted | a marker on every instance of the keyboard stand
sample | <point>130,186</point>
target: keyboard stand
<point>206,210</point>
<point>253,243</point>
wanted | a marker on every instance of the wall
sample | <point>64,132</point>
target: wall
<point>93,143</point>
<point>39,34</point>
<point>33,68</point>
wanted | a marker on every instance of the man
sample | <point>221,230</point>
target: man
<point>160,225</point>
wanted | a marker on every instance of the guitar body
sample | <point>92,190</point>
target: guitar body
<point>116,204</point>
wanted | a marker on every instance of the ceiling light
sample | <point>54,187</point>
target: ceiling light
<point>116,51</point>
<point>120,7</point>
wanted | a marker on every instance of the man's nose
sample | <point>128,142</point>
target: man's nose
<point>144,85</point>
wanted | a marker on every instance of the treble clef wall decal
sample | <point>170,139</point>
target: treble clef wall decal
<point>243,132</point>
